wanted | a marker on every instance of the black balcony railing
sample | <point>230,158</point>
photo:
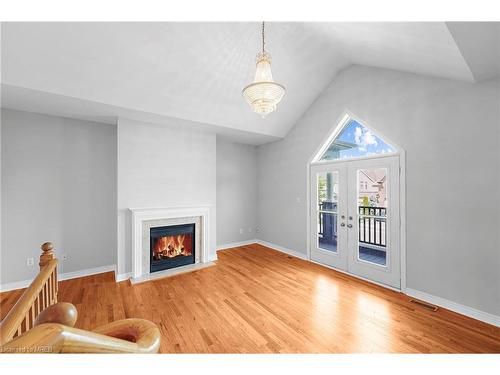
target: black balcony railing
<point>372,224</point>
<point>328,220</point>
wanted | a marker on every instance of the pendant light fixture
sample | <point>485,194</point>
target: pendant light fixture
<point>263,94</point>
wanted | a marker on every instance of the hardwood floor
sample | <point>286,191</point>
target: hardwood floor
<point>257,300</point>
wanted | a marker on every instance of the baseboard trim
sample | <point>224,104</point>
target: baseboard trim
<point>236,244</point>
<point>263,243</point>
<point>212,257</point>
<point>15,285</point>
<point>61,277</point>
<point>86,272</point>
<point>455,307</point>
<point>282,249</point>
<point>122,276</point>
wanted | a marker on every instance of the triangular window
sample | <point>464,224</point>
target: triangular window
<point>353,141</point>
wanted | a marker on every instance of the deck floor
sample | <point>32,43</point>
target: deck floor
<point>257,300</point>
<point>365,253</point>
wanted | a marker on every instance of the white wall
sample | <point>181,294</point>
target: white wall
<point>59,185</point>
<point>450,131</point>
<point>162,166</point>
<point>236,192</point>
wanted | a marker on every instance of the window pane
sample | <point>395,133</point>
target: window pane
<point>372,215</point>
<point>355,140</point>
<point>328,189</point>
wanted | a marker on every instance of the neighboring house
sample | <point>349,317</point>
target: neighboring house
<point>372,186</point>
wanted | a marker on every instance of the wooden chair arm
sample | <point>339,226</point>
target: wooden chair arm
<point>133,336</point>
<point>62,312</point>
<point>143,332</point>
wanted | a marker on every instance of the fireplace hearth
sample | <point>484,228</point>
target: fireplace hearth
<point>172,246</point>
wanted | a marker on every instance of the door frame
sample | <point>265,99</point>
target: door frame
<point>400,152</point>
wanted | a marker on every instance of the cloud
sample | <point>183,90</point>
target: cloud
<point>369,138</point>
<point>358,132</point>
<point>363,138</point>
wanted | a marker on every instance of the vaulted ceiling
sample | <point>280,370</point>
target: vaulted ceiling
<point>195,71</point>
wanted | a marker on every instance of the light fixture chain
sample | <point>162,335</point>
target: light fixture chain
<point>263,40</point>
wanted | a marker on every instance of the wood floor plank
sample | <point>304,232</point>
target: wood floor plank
<point>257,300</point>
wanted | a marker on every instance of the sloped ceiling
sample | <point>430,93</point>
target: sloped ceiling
<point>195,71</point>
<point>479,44</point>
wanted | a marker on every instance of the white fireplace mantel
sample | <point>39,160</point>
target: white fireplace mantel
<point>141,215</point>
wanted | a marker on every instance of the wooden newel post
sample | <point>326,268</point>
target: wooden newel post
<point>47,254</point>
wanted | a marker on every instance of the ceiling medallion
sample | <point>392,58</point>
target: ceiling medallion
<point>263,94</point>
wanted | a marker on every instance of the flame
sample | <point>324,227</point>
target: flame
<point>171,246</point>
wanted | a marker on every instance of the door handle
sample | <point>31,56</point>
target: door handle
<point>349,225</point>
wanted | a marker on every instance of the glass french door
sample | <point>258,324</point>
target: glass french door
<point>355,218</point>
<point>328,216</point>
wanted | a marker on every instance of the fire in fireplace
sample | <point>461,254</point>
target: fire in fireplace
<point>171,246</point>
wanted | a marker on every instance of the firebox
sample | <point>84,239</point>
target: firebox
<point>171,246</point>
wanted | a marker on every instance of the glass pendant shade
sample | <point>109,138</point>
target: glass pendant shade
<point>263,94</point>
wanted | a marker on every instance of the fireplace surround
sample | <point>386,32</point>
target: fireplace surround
<point>146,219</point>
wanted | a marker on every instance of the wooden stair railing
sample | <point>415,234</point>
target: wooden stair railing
<point>41,294</point>
<point>39,324</point>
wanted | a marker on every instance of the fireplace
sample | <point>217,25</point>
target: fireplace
<point>171,246</point>
<point>146,219</point>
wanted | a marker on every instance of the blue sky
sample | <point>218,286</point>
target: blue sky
<point>367,143</point>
